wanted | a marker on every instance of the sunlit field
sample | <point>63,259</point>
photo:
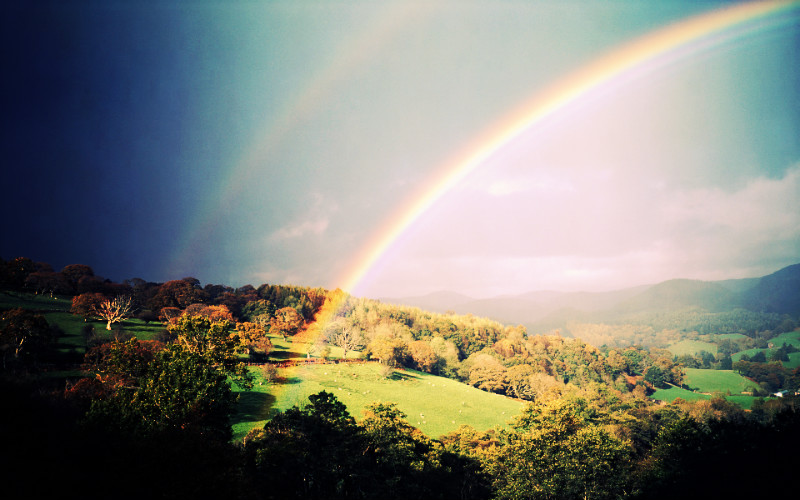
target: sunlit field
<point>433,404</point>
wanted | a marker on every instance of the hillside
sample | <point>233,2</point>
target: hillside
<point>778,292</point>
<point>435,405</point>
<point>542,311</point>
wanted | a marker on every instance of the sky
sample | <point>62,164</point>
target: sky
<point>274,142</point>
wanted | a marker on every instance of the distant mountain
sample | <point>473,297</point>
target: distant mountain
<point>779,292</point>
<point>681,294</point>
<point>546,309</point>
<point>441,301</point>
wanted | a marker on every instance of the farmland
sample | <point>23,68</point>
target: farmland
<point>433,404</point>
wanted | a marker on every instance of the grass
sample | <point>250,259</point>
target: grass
<point>11,300</point>
<point>706,383</point>
<point>56,312</point>
<point>691,347</point>
<point>788,338</point>
<point>711,381</point>
<point>732,336</point>
<point>674,393</point>
<point>433,404</point>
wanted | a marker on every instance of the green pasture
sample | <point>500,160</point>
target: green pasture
<point>711,381</point>
<point>788,338</point>
<point>673,393</point>
<point>433,404</point>
<point>691,347</point>
<point>794,361</point>
<point>732,336</point>
<point>11,300</point>
<point>56,312</point>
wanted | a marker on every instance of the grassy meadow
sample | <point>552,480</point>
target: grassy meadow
<point>433,404</point>
<point>710,381</point>
<point>691,347</point>
<point>788,338</point>
<point>706,383</point>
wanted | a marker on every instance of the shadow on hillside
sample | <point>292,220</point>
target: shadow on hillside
<point>253,406</point>
<point>397,375</point>
<point>280,356</point>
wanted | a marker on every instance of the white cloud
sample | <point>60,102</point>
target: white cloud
<point>300,229</point>
<point>760,218</point>
<point>314,222</point>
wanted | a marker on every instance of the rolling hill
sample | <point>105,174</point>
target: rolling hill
<point>542,310</point>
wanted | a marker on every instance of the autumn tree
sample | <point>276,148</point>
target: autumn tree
<point>16,271</point>
<point>425,359</point>
<point>176,390</point>
<point>553,453</point>
<point>486,372</point>
<point>214,313</point>
<point>177,293</point>
<point>114,310</point>
<point>313,452</point>
<point>215,341</point>
<point>73,274</point>
<point>389,350</point>
<point>255,338</point>
<point>23,334</point>
<point>46,282</point>
<point>343,335</point>
<point>519,381</point>
<point>286,322</point>
<point>167,314</point>
<point>86,304</point>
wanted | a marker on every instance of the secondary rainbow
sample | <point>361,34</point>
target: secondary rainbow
<point>650,51</point>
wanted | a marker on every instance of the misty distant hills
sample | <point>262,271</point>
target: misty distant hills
<point>776,293</point>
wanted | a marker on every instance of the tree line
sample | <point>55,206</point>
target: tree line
<point>152,418</point>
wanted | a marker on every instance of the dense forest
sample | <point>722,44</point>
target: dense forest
<point>131,417</point>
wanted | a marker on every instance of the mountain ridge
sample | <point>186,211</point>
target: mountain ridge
<point>778,292</point>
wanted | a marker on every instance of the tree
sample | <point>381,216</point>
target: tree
<point>215,342</point>
<point>286,322</point>
<point>255,338</point>
<point>553,453</point>
<point>177,293</point>
<point>16,271</point>
<point>23,334</point>
<point>73,274</point>
<point>114,310</point>
<point>519,381</point>
<point>86,304</point>
<point>313,452</point>
<point>423,356</point>
<point>46,282</point>
<point>655,375</point>
<point>487,373</point>
<point>177,390</point>
<point>387,349</point>
<point>344,336</point>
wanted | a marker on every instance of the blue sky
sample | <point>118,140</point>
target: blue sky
<point>253,142</point>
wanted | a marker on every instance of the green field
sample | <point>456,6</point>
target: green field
<point>711,381</point>
<point>788,338</point>
<point>56,312</point>
<point>732,336</point>
<point>706,383</point>
<point>10,300</point>
<point>433,404</point>
<point>691,347</point>
<point>674,393</point>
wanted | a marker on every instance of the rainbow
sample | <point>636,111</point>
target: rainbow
<point>642,55</point>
